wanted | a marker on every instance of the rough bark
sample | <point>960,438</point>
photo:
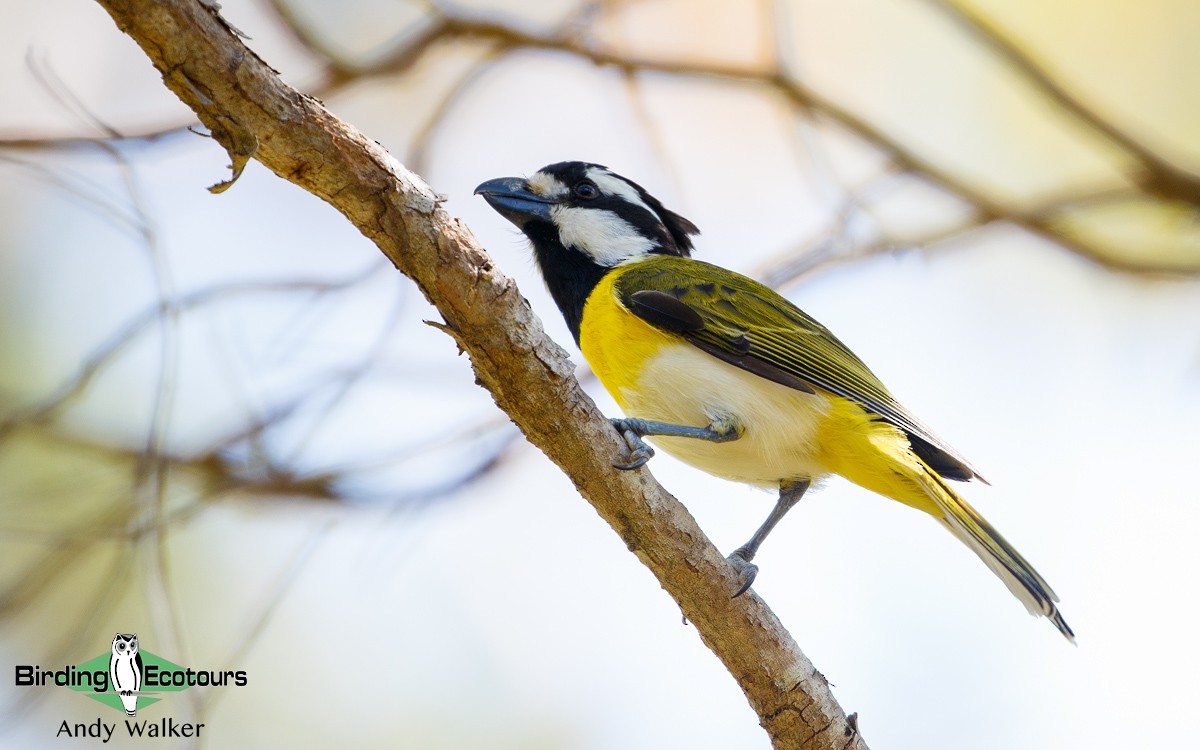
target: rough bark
<point>253,114</point>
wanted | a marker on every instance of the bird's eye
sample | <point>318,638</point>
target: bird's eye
<point>586,190</point>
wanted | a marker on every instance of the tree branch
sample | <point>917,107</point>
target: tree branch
<point>253,114</point>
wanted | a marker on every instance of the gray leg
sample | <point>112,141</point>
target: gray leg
<point>790,492</point>
<point>633,430</point>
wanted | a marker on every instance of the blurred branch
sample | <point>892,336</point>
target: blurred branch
<point>252,113</point>
<point>808,101</point>
<point>147,137</point>
<point>239,461</point>
<point>1158,176</point>
<point>1153,174</point>
<point>108,352</point>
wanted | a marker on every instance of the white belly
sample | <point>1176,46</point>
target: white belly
<point>125,673</point>
<point>684,385</point>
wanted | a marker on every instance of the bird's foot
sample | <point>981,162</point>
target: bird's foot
<point>639,450</point>
<point>746,570</point>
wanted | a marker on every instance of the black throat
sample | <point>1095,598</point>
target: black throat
<point>570,275</point>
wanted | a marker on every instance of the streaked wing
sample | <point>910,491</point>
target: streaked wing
<point>758,330</point>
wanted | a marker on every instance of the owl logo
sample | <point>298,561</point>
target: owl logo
<point>125,670</point>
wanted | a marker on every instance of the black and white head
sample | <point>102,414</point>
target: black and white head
<point>582,220</point>
<point>125,644</point>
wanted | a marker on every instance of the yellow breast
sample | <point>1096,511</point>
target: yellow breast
<point>657,375</point>
<point>617,343</point>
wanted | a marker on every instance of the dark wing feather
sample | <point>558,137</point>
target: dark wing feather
<point>748,325</point>
<point>664,311</point>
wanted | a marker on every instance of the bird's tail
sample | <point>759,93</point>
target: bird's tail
<point>1018,575</point>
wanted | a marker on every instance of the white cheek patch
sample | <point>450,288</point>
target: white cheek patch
<point>602,235</point>
<point>610,184</point>
<point>546,186</point>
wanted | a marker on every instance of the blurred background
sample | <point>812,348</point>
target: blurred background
<point>224,424</point>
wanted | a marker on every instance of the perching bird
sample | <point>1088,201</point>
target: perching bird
<point>726,374</point>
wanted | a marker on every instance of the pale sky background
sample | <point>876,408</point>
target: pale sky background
<point>506,614</point>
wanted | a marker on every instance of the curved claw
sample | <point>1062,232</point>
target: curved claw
<point>746,571</point>
<point>639,450</point>
<point>639,460</point>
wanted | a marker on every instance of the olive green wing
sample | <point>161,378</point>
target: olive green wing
<point>749,325</point>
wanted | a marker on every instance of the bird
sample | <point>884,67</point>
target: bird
<point>125,670</point>
<point>725,373</point>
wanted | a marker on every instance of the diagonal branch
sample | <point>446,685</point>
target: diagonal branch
<point>253,114</point>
